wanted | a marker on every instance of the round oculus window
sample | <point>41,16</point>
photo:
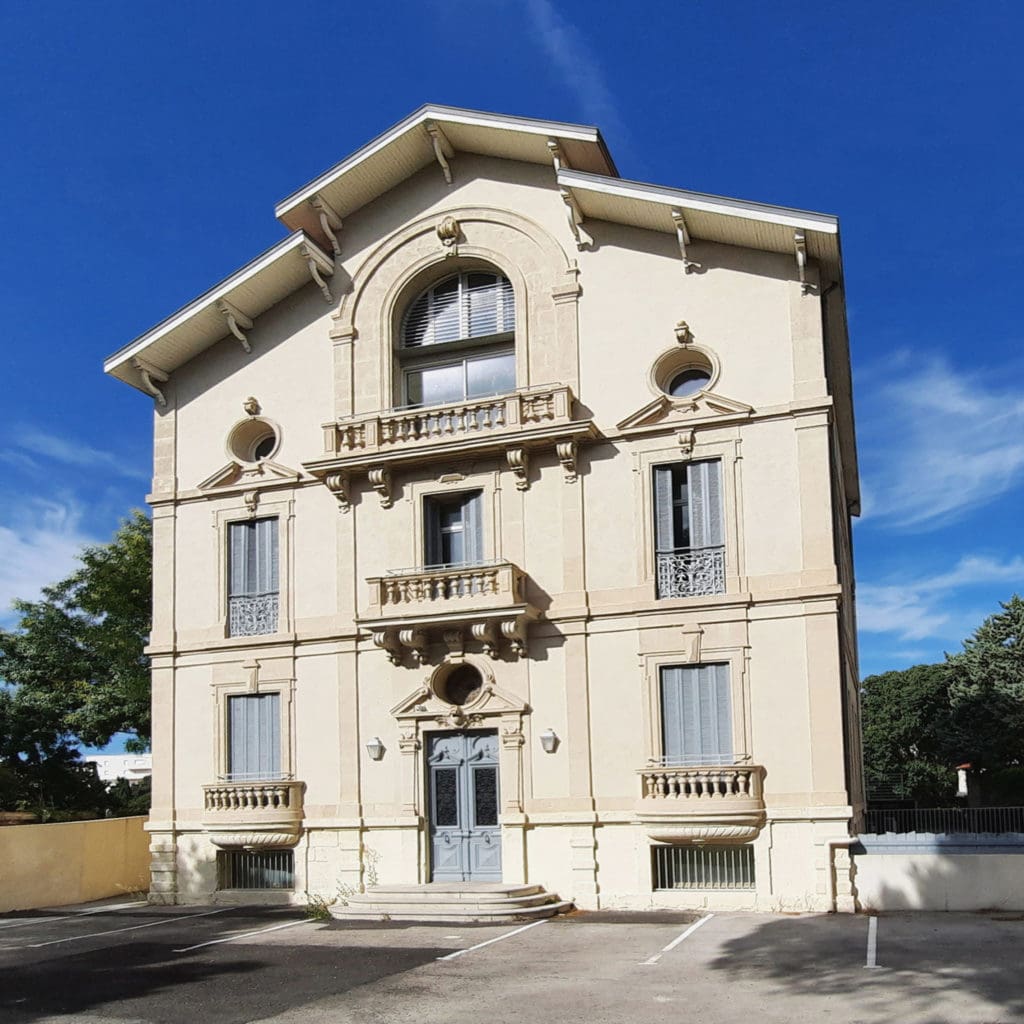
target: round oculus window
<point>688,382</point>
<point>460,685</point>
<point>253,440</point>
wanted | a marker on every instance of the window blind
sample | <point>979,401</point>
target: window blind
<point>253,550</point>
<point>696,715</point>
<point>254,736</point>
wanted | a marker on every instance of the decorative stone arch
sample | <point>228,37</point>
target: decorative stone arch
<point>543,278</point>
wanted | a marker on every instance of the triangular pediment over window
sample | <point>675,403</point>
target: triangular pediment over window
<point>492,701</point>
<point>670,412</point>
<point>246,476</point>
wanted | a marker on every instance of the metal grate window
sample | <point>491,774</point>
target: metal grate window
<point>255,869</point>
<point>703,867</point>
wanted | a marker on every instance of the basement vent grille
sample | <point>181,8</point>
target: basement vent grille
<point>703,867</point>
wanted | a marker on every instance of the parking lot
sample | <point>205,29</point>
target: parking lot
<point>132,962</point>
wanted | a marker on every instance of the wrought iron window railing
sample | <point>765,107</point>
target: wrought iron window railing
<point>691,572</point>
<point>252,614</point>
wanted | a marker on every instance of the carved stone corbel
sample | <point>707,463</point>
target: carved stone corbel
<point>380,481</point>
<point>683,333</point>
<point>386,640</point>
<point>455,641</point>
<point>486,633</point>
<point>567,457</point>
<point>574,216</point>
<point>330,222</point>
<point>338,485</point>
<point>236,321</point>
<point>149,374</point>
<point>514,630</point>
<point>439,141</point>
<point>683,238</point>
<point>686,440</point>
<point>409,741</point>
<point>314,271</point>
<point>416,641</point>
<point>448,231</point>
<point>251,499</point>
<point>519,462</point>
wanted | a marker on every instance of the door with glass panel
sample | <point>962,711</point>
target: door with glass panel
<point>462,781</point>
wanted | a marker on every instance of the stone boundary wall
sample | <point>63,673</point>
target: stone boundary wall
<point>72,862</point>
<point>921,871</point>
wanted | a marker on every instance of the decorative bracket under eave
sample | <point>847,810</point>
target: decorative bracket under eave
<point>557,156</point>
<point>683,237</point>
<point>314,265</point>
<point>149,374</point>
<point>330,222</point>
<point>574,216</point>
<point>338,485</point>
<point>800,245</point>
<point>440,142</point>
<point>237,321</point>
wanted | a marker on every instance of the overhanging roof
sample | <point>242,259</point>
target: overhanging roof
<point>403,150</point>
<point>714,218</point>
<point>250,291</point>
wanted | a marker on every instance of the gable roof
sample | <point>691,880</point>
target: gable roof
<point>409,146</point>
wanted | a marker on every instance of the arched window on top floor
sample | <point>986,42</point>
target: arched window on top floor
<point>458,340</point>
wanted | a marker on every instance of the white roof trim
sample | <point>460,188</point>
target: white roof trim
<point>805,219</point>
<point>452,115</point>
<point>219,291</point>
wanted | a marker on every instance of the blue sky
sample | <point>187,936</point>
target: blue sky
<point>145,146</point>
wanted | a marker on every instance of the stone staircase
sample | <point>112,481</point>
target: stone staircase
<point>451,903</point>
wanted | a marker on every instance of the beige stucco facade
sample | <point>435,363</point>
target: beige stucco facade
<point>562,618</point>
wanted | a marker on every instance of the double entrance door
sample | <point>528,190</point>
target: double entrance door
<point>465,838</point>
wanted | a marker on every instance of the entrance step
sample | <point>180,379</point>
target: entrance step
<point>451,903</point>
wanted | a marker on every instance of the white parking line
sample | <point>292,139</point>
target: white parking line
<point>490,942</point>
<point>872,959</point>
<point>115,931</point>
<point>243,935</point>
<point>675,942</point>
<point>21,922</point>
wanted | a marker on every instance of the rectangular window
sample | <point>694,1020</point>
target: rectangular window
<point>696,715</point>
<point>703,867</point>
<point>255,869</point>
<point>254,736</point>
<point>688,529</point>
<point>453,529</point>
<point>475,376</point>
<point>253,577</point>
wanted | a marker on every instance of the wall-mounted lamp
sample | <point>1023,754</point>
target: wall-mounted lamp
<point>375,748</point>
<point>549,741</point>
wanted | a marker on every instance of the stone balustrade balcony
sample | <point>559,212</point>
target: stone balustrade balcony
<point>712,803</point>
<point>253,813</point>
<point>485,603</point>
<point>514,425</point>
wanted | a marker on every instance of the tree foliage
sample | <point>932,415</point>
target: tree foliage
<point>75,670</point>
<point>919,724</point>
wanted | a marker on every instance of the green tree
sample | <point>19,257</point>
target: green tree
<point>75,670</point>
<point>79,650</point>
<point>909,734</point>
<point>987,691</point>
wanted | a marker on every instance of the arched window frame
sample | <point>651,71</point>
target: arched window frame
<point>475,355</point>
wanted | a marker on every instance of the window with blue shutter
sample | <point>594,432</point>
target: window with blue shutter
<point>689,535</point>
<point>253,577</point>
<point>696,715</point>
<point>453,529</point>
<point>254,736</point>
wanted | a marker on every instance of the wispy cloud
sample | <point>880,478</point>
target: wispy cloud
<point>578,65</point>
<point>73,453</point>
<point>938,443</point>
<point>38,549</point>
<point>929,606</point>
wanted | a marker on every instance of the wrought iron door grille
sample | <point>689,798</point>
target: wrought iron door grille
<point>255,869</point>
<point>703,867</point>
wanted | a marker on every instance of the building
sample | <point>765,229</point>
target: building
<point>111,767</point>
<point>502,531</point>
